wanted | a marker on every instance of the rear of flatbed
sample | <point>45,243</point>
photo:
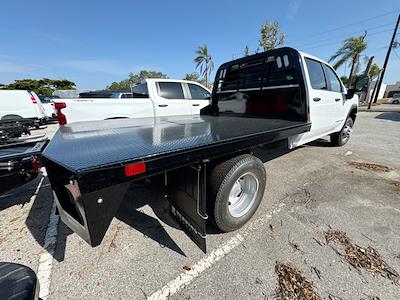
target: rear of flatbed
<point>91,164</point>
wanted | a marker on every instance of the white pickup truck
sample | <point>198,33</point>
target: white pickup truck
<point>152,97</point>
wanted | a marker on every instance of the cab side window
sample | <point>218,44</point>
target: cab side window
<point>170,90</point>
<point>333,81</point>
<point>316,74</point>
<point>140,91</point>
<point>198,93</point>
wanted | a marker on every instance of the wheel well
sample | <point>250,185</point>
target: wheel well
<point>11,117</point>
<point>353,114</point>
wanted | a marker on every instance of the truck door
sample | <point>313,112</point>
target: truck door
<point>322,101</point>
<point>199,97</point>
<point>336,93</point>
<point>170,99</point>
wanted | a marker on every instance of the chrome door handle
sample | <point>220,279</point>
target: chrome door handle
<point>316,99</point>
<point>196,104</point>
<point>337,99</point>
<point>162,105</point>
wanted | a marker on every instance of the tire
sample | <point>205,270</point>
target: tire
<point>343,136</point>
<point>236,187</point>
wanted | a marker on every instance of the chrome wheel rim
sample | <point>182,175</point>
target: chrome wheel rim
<point>346,132</point>
<point>243,195</point>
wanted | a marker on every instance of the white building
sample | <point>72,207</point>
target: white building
<point>391,88</point>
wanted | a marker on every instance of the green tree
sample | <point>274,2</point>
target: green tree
<point>246,51</point>
<point>270,38</point>
<point>350,51</point>
<point>125,85</point>
<point>195,77</point>
<point>344,79</point>
<point>374,71</point>
<point>43,86</point>
<point>204,61</point>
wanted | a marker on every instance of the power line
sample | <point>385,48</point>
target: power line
<point>337,41</point>
<point>397,55</point>
<point>348,25</point>
<point>351,33</point>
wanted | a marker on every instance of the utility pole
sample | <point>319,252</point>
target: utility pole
<point>379,83</point>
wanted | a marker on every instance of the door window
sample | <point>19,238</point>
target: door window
<point>333,80</point>
<point>140,91</point>
<point>170,90</point>
<point>198,93</point>
<point>316,74</point>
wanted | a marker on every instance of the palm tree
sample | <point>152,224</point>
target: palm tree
<point>204,61</point>
<point>350,50</point>
<point>374,71</point>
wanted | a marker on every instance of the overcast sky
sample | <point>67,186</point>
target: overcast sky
<point>94,43</point>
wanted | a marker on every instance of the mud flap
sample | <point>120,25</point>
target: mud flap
<point>186,189</point>
<point>89,215</point>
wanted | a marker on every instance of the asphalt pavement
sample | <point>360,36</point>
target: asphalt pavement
<point>315,188</point>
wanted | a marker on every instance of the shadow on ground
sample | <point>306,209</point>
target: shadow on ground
<point>19,195</point>
<point>391,116</point>
<point>38,218</point>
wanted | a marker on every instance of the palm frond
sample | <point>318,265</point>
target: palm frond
<point>341,61</point>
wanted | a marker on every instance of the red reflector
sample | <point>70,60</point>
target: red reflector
<point>135,169</point>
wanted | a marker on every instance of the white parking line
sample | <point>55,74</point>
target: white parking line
<point>46,258</point>
<point>185,278</point>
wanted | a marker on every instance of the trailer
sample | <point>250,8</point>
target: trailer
<point>208,162</point>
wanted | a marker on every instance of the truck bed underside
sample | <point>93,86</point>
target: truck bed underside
<point>87,145</point>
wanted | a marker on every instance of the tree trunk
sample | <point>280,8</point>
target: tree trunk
<point>206,75</point>
<point>352,70</point>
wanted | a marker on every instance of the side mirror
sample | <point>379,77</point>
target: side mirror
<point>350,93</point>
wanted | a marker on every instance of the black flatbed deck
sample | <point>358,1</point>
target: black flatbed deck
<point>84,146</point>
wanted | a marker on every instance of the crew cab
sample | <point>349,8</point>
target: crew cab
<point>151,98</point>
<point>210,164</point>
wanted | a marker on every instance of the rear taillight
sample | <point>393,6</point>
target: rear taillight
<point>135,169</point>
<point>62,119</point>
<point>35,164</point>
<point>33,98</point>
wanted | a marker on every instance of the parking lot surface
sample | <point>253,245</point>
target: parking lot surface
<point>313,189</point>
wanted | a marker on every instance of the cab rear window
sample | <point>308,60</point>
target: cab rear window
<point>259,73</point>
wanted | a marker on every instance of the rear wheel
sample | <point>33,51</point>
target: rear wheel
<point>343,136</point>
<point>237,188</point>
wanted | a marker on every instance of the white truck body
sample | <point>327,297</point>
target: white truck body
<point>329,107</point>
<point>153,97</point>
<point>20,104</point>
